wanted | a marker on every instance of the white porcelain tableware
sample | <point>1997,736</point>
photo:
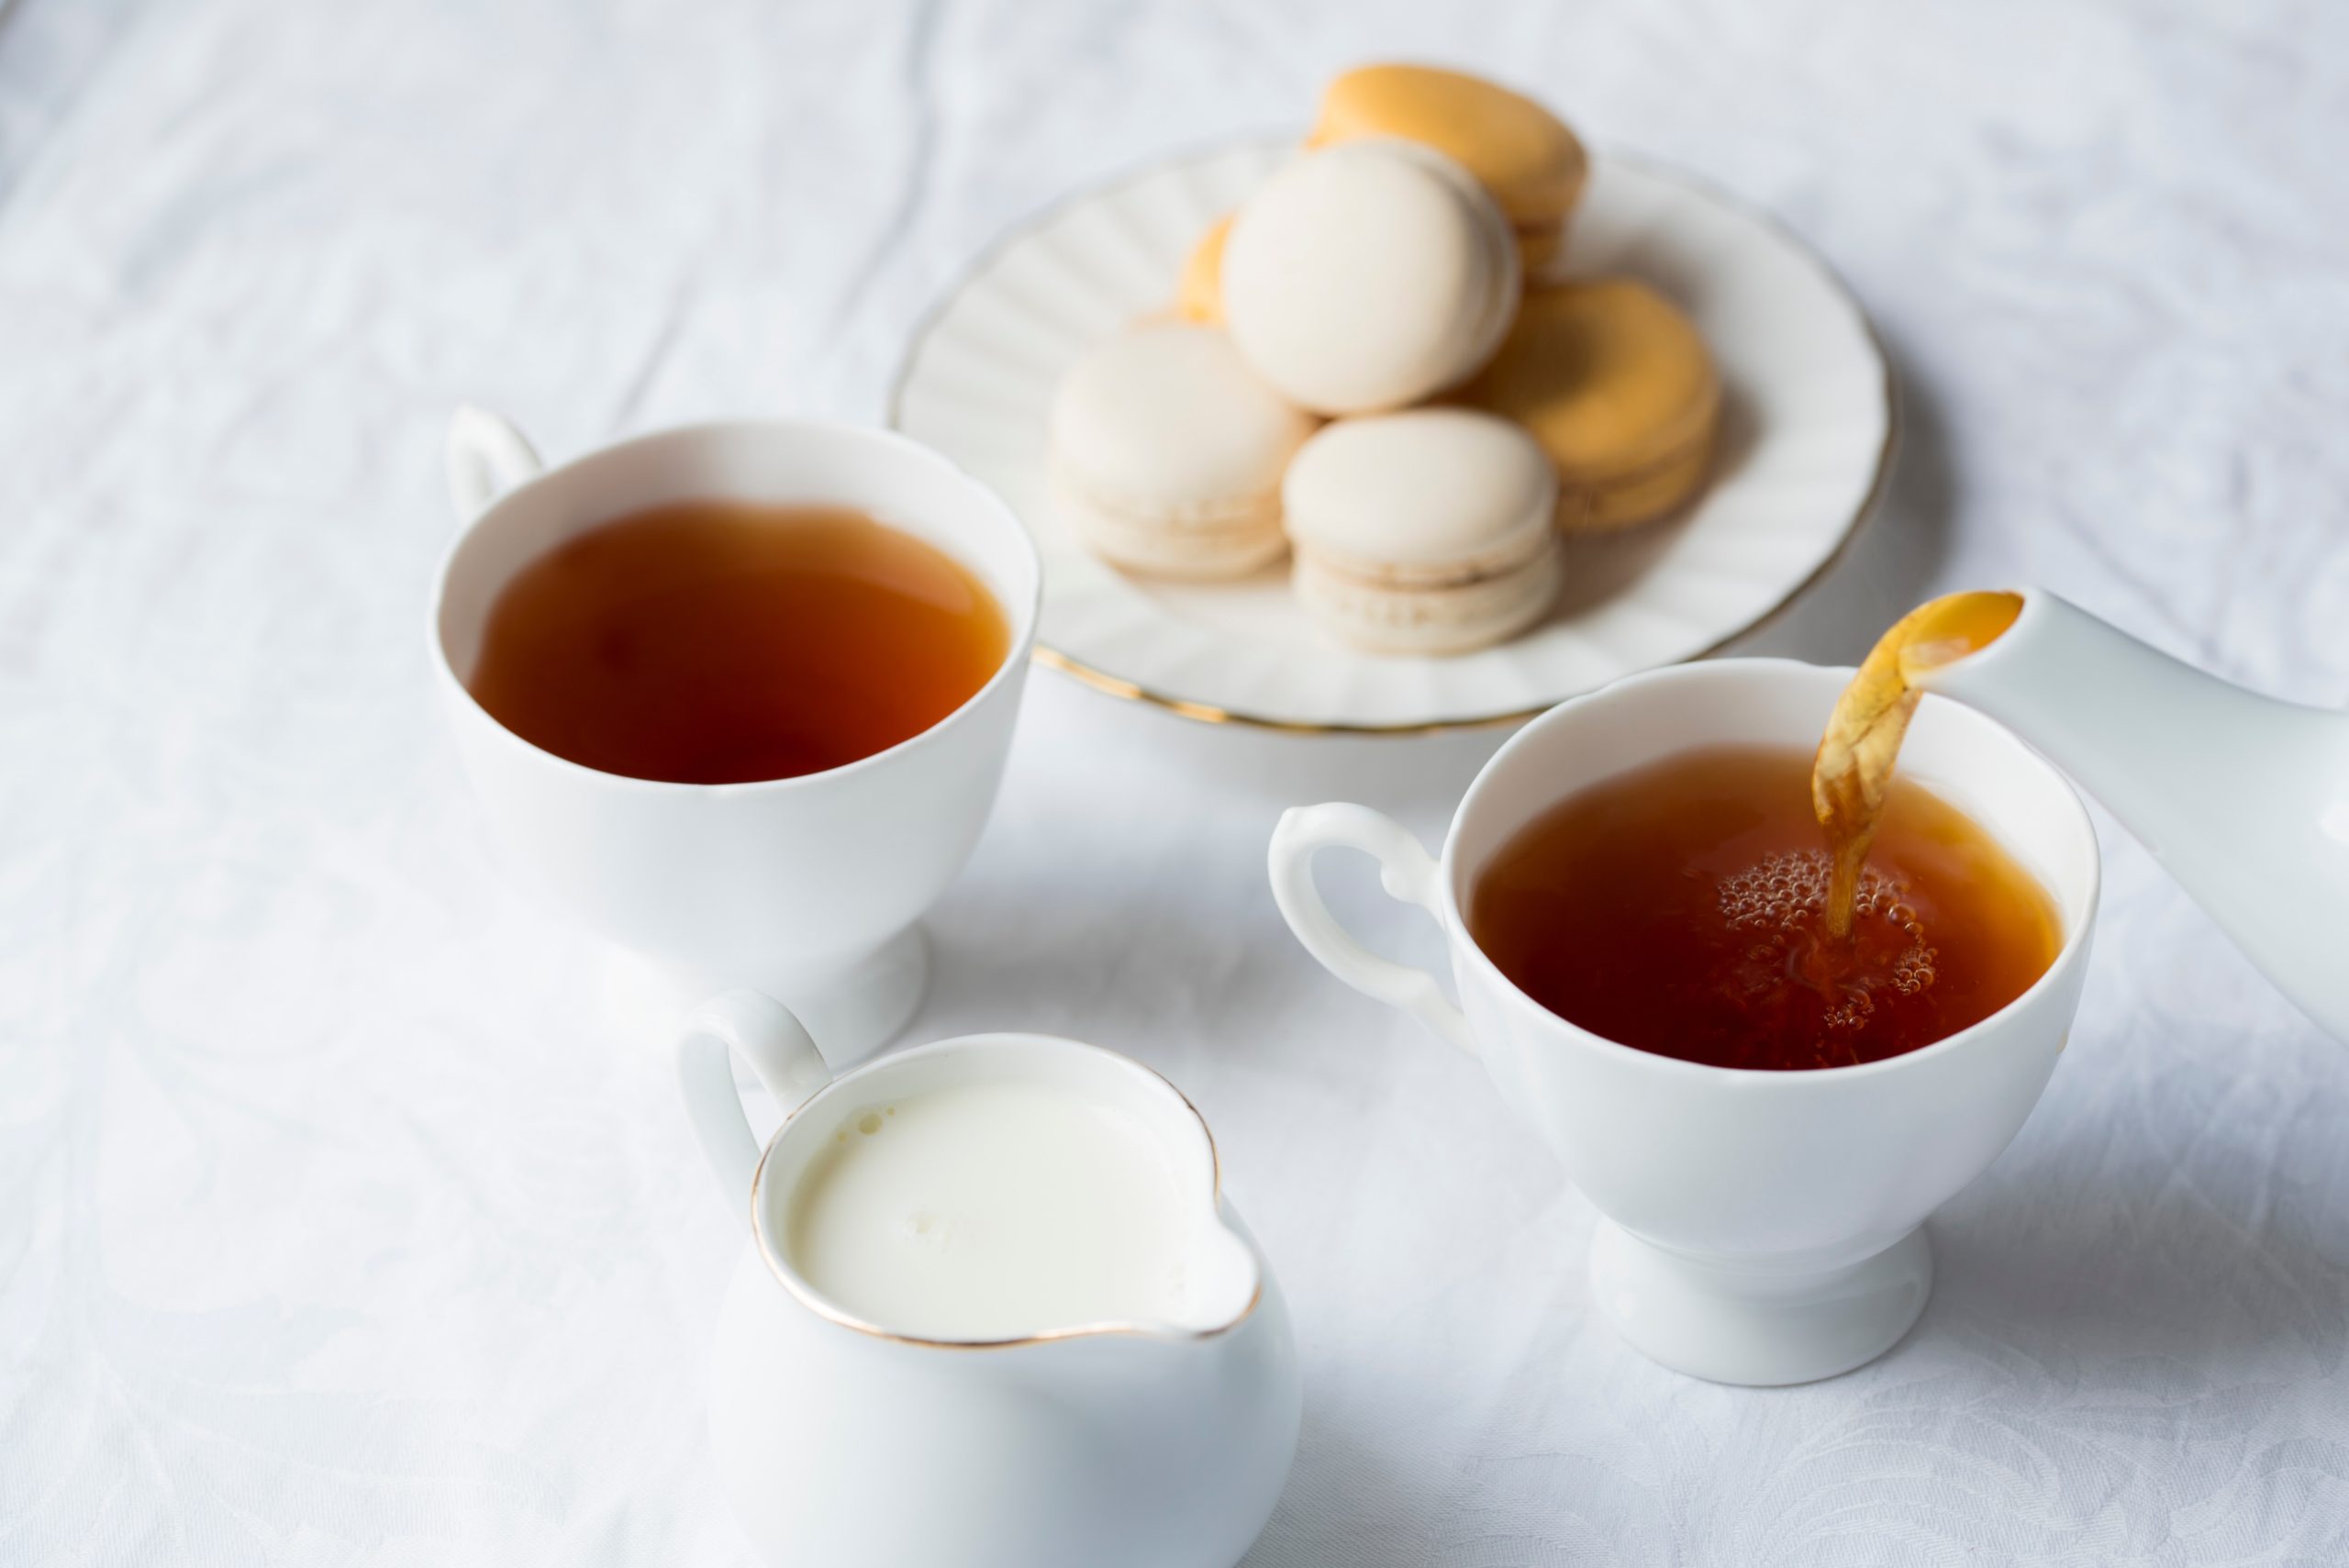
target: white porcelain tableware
<point>1806,442</point>
<point>2244,798</point>
<point>849,1444</point>
<point>1758,1227</point>
<point>809,886</point>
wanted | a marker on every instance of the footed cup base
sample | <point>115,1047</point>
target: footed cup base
<point>1762,1327</point>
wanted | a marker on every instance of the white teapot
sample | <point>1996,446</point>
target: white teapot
<point>2244,798</point>
<point>847,1442</point>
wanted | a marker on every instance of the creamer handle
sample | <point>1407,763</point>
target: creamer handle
<point>1407,872</point>
<point>487,457</point>
<point>762,1031</point>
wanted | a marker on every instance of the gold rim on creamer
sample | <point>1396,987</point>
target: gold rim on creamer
<point>807,1296</point>
<point>1126,690</point>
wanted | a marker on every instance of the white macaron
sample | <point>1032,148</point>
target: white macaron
<point>1167,453</point>
<point>1369,276</point>
<point>1428,531</point>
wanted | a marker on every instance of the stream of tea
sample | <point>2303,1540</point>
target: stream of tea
<point>1853,771</point>
<point>1691,906</point>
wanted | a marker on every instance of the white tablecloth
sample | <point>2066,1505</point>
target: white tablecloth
<point>338,1224</point>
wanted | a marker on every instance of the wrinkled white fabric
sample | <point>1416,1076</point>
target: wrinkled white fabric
<point>338,1225</point>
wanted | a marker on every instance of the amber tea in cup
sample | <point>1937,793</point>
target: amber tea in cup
<point>1681,907</point>
<point>729,641</point>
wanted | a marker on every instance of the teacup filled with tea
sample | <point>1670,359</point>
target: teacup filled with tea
<point>1770,1000</point>
<point>740,695</point>
<point>717,641</point>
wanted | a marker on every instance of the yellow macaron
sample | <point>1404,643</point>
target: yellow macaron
<point>1199,294</point>
<point>1616,385</point>
<point>1533,165</point>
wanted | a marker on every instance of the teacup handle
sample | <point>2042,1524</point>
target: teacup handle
<point>763,1032</point>
<point>487,457</point>
<point>1405,869</point>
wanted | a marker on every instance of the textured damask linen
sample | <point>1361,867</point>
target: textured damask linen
<point>342,1223</point>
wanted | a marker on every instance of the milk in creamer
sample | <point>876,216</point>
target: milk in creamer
<point>994,1210</point>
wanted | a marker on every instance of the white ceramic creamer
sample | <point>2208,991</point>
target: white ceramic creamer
<point>997,1313</point>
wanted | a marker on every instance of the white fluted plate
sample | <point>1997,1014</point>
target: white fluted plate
<point>1807,438</point>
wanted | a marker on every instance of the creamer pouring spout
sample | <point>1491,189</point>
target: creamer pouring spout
<point>2244,798</point>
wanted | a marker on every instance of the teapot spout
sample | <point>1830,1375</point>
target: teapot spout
<point>2244,798</point>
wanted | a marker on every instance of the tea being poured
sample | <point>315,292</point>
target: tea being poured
<point>1852,770</point>
<point>722,641</point>
<point>1746,907</point>
<point>1681,907</point>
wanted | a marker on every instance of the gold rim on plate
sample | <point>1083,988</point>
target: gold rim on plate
<point>1125,690</point>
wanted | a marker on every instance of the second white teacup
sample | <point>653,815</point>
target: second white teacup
<point>1759,1227</point>
<point>808,887</point>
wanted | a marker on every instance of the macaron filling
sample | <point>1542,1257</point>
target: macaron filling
<point>1454,618</point>
<point>1207,539</point>
<point>1533,545</point>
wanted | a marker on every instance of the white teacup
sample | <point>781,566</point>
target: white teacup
<point>1759,1227</point>
<point>809,887</point>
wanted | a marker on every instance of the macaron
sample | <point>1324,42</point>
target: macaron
<point>1527,157</point>
<point>1616,385</point>
<point>1368,275</point>
<point>1167,453</point>
<point>1199,294</point>
<point>1427,531</point>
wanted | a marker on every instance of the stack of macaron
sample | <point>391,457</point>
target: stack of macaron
<point>1391,280</point>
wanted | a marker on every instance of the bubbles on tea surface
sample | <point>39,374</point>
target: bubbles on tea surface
<point>1776,896</point>
<point>1779,904</point>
